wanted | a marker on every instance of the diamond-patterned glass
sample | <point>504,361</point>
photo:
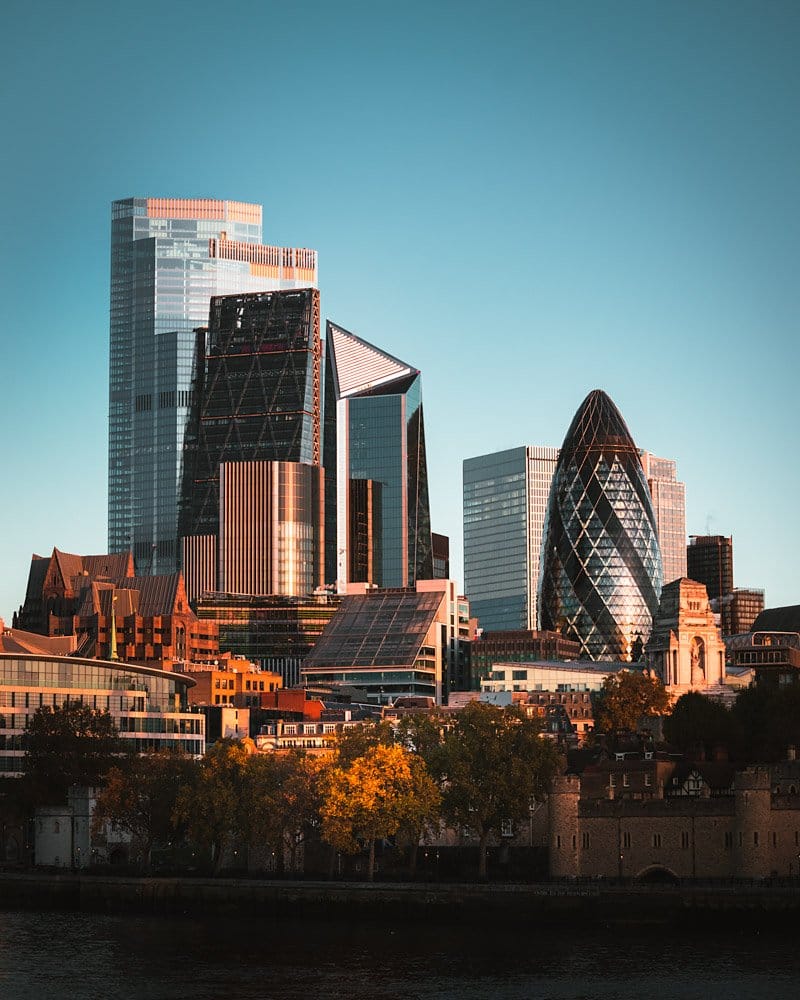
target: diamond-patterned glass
<point>601,574</point>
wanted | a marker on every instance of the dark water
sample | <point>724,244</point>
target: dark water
<point>89,957</point>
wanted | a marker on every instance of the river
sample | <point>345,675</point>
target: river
<point>80,956</point>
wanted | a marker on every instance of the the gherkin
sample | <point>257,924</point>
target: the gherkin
<point>600,576</point>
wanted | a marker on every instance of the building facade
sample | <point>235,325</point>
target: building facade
<point>518,645</point>
<point>685,648</point>
<point>169,256</point>
<point>252,493</point>
<point>150,708</point>
<point>505,502</point>
<point>739,609</point>
<point>441,556</point>
<point>391,642</point>
<point>709,560</point>
<point>375,433</point>
<point>601,574</point>
<point>275,632</point>
<point>135,619</point>
<point>772,656</point>
<point>651,818</point>
<point>668,495</point>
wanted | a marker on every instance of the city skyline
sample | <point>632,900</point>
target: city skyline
<point>613,173</point>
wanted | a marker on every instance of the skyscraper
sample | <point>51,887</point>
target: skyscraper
<point>601,574</point>
<point>251,472</point>
<point>375,434</point>
<point>505,501</point>
<point>669,506</point>
<point>169,256</point>
<point>709,560</point>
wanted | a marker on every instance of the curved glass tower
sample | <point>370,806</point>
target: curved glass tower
<point>601,576</point>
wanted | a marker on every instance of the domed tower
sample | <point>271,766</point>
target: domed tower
<point>600,578</point>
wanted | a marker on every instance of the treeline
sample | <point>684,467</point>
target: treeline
<point>478,770</point>
<point>759,727</point>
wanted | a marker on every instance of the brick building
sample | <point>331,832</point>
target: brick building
<point>114,614</point>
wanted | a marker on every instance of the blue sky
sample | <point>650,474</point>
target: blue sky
<point>526,201</point>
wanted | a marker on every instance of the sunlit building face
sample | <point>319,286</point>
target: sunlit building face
<point>601,572</point>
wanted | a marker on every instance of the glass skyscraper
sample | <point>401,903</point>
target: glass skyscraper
<point>374,434</point>
<point>669,506</point>
<point>601,574</point>
<point>505,501</point>
<point>169,256</point>
<point>252,479</point>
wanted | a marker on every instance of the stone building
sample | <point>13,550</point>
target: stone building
<point>685,648</point>
<point>666,818</point>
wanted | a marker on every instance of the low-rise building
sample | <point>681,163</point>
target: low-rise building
<point>392,642</point>
<point>150,707</point>
<point>312,737</point>
<point>649,816</point>
<point>773,657</point>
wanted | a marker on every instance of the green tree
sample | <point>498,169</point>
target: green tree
<point>497,762</point>
<point>69,745</point>
<point>625,699</point>
<point>768,722</point>
<point>372,798</point>
<point>698,721</point>
<point>282,800</point>
<point>213,806</point>
<point>141,797</point>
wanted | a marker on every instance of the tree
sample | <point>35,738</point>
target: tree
<point>141,798</point>
<point>353,743</point>
<point>698,721</point>
<point>768,722</point>
<point>626,698</point>
<point>375,796</point>
<point>213,806</point>
<point>69,745</point>
<point>497,762</point>
<point>282,799</point>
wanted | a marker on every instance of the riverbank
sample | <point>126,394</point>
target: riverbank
<point>550,903</point>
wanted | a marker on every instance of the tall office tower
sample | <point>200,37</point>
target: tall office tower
<point>505,501</point>
<point>375,405</point>
<point>601,571</point>
<point>669,506</point>
<point>709,560</point>
<point>169,256</point>
<point>252,474</point>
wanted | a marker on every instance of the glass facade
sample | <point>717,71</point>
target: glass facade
<point>256,394</point>
<point>505,501</point>
<point>601,573</point>
<point>380,437</point>
<point>387,642</point>
<point>167,260</point>
<point>669,506</point>
<point>274,632</point>
<point>149,707</point>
